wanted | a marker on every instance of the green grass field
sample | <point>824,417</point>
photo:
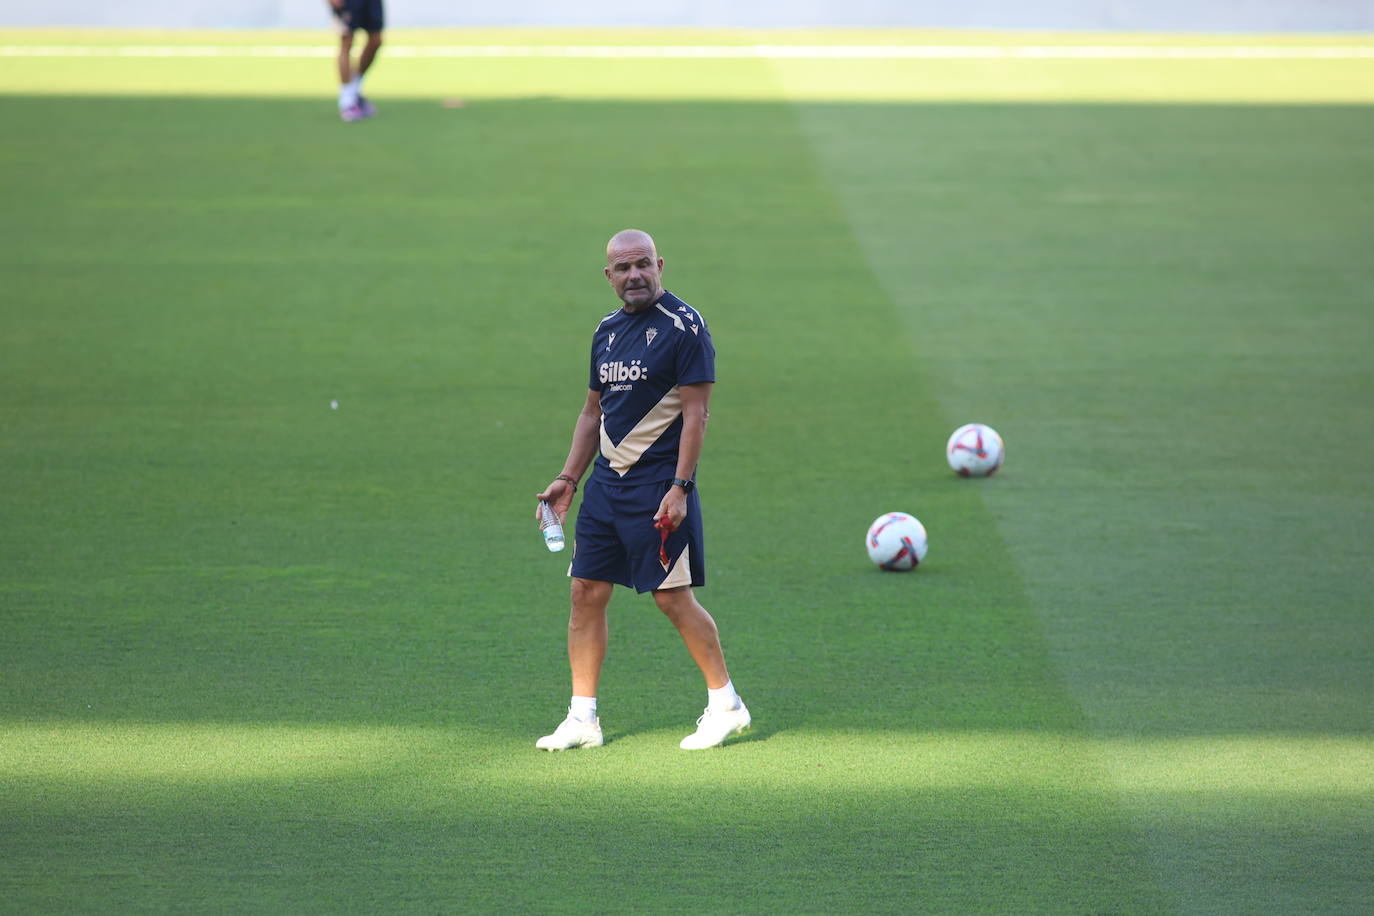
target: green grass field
<point>261,655</point>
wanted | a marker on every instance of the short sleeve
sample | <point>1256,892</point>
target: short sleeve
<point>696,355</point>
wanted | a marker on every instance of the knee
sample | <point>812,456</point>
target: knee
<point>676,603</point>
<point>582,591</point>
<point>374,40</point>
<point>589,599</point>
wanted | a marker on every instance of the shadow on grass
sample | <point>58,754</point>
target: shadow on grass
<point>193,537</point>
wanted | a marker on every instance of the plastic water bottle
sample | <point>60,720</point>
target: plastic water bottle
<point>548,524</point>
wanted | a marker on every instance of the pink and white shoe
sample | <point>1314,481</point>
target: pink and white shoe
<point>366,107</point>
<point>351,113</point>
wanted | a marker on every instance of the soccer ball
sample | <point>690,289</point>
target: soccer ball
<point>975,450</point>
<point>896,541</point>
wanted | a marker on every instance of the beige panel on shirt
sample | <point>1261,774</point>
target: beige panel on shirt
<point>655,423</point>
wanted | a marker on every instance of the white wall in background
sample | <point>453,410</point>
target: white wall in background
<point>1142,15</point>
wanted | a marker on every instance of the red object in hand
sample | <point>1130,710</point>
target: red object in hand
<point>665,527</point>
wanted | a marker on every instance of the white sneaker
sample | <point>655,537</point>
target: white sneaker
<point>572,732</point>
<point>714,727</point>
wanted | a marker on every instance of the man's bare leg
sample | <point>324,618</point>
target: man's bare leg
<point>348,83</point>
<point>345,58</point>
<point>698,631</point>
<point>369,52</point>
<point>365,58</point>
<point>726,714</point>
<point>588,634</point>
<point>587,637</point>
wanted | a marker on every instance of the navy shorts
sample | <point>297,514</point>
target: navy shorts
<point>361,14</point>
<point>616,541</point>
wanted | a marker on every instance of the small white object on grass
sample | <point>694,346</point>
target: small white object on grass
<point>333,405</point>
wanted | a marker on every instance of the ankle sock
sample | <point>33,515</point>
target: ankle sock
<point>583,709</point>
<point>722,698</point>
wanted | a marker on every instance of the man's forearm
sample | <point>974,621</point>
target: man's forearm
<point>689,446</point>
<point>586,443</point>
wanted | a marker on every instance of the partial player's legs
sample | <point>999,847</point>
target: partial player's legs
<point>587,638</point>
<point>365,58</point>
<point>369,52</point>
<point>348,103</point>
<point>726,714</point>
<point>354,15</point>
<point>348,90</point>
<point>345,61</point>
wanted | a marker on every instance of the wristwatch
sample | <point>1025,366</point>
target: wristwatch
<point>686,484</point>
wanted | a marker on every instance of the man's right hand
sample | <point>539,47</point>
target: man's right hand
<point>559,495</point>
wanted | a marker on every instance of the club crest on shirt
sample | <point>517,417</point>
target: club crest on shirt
<point>649,336</point>
<point>610,341</point>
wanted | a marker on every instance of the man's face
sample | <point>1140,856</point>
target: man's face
<point>635,271</point>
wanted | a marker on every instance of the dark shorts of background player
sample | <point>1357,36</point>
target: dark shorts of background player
<point>361,14</point>
<point>616,540</point>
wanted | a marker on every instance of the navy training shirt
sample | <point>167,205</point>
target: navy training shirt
<point>639,360</point>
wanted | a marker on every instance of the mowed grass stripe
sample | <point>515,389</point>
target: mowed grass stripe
<point>124,758</point>
<point>197,538</point>
<point>1158,309</point>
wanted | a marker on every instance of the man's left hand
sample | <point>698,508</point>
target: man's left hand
<point>673,506</point>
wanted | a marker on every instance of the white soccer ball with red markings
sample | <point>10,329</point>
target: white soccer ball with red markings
<point>896,541</point>
<point>975,450</point>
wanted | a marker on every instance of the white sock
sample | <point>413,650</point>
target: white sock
<point>357,85</point>
<point>583,709</point>
<point>348,95</point>
<point>722,698</point>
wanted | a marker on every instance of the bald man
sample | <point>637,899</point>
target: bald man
<point>639,526</point>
